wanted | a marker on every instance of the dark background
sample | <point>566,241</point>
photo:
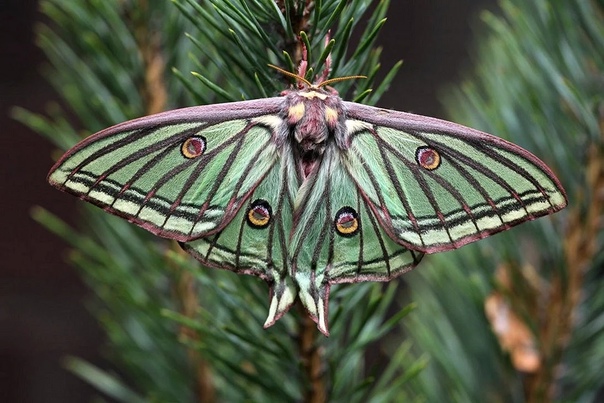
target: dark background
<point>42,300</point>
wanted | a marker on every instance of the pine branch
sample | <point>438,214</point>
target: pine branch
<point>187,294</point>
<point>312,358</point>
<point>180,332</point>
<point>153,90</point>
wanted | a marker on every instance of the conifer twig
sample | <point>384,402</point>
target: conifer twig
<point>311,359</point>
<point>186,292</point>
<point>155,96</point>
<point>580,247</point>
<point>170,348</point>
<point>299,20</point>
<point>154,92</point>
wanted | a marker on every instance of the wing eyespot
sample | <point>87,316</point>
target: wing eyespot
<point>193,147</point>
<point>259,214</point>
<point>428,158</point>
<point>347,222</point>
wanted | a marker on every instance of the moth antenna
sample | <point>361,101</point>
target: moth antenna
<point>338,79</point>
<point>292,75</point>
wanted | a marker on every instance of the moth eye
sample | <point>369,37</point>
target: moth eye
<point>259,214</point>
<point>428,158</point>
<point>347,222</point>
<point>193,147</point>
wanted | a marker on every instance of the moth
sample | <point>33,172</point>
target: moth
<point>306,190</point>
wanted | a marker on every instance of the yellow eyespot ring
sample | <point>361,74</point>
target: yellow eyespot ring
<point>346,222</point>
<point>193,147</point>
<point>259,214</point>
<point>427,158</point>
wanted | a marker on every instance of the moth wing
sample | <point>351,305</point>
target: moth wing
<point>256,240</point>
<point>337,239</point>
<point>180,174</point>
<point>436,185</point>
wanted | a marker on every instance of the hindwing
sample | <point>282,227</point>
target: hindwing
<point>338,239</point>
<point>256,241</point>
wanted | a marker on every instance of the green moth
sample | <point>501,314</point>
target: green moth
<point>306,190</point>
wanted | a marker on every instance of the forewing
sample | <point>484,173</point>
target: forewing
<point>338,239</point>
<point>435,185</point>
<point>180,174</point>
